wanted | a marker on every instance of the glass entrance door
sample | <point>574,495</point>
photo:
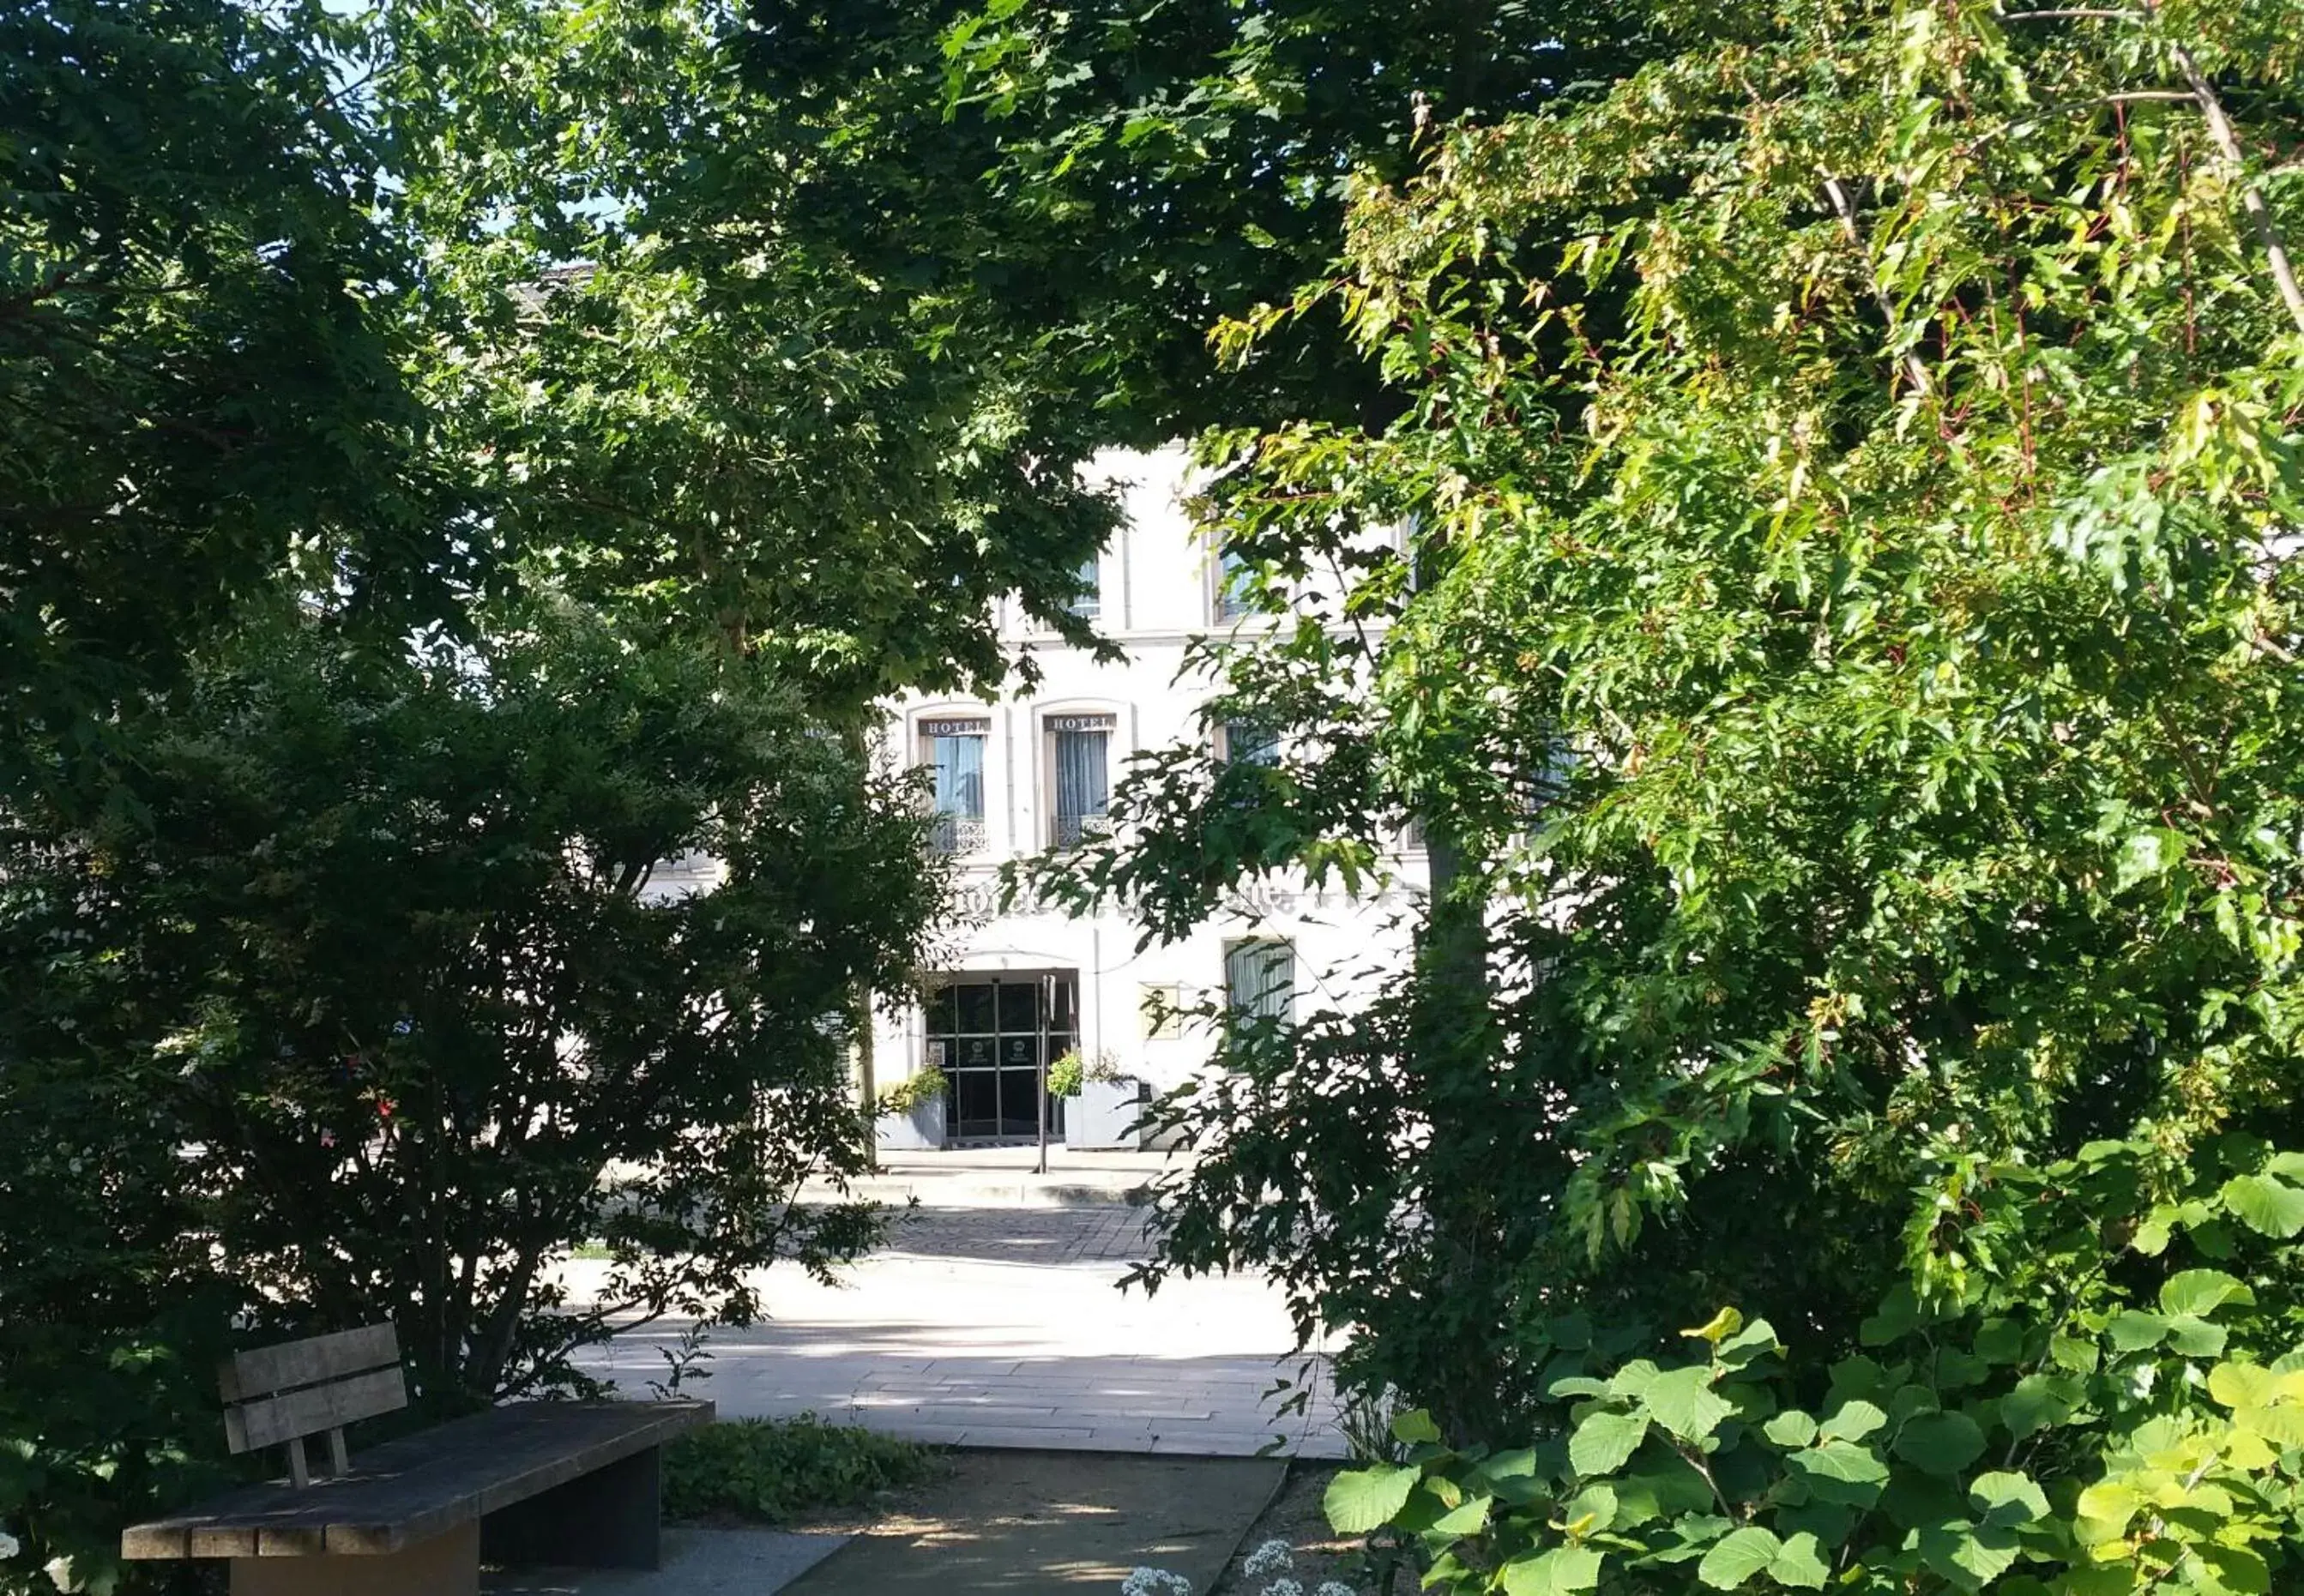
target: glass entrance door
<point>992,1037</point>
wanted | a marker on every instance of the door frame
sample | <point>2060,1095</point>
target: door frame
<point>1045,977</point>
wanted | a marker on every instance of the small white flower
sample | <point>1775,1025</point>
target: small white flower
<point>1274,1556</point>
<point>1284,1587</point>
<point>59,1571</point>
<point>8,1545</point>
<point>1155,1582</point>
<point>1335,1587</point>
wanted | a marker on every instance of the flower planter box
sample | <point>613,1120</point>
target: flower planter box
<point>1104,1114</point>
<point>921,1127</point>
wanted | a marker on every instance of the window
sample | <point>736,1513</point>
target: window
<point>1260,980</point>
<point>1250,742</point>
<point>1231,579</point>
<point>1090,604</point>
<point>954,750</point>
<point>1080,765</point>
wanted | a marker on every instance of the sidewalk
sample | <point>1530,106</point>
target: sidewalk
<point>1007,1177</point>
<point>1006,1327</point>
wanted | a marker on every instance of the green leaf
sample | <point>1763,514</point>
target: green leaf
<point>1790,1427</point>
<point>1361,1501</point>
<point>1969,1556</point>
<point>1468,1517</point>
<point>1589,1511</point>
<point>2243,1385</point>
<point>2200,1292</point>
<point>1755,1340</point>
<point>2132,1331</point>
<point>1800,1564</point>
<point>1940,1443</point>
<point>1683,1401</point>
<point>2195,1338</point>
<point>1853,1421</point>
<point>2266,1205</point>
<point>1737,1557</point>
<point>2039,1402</point>
<point>1415,1428</point>
<point>1727,1323</point>
<point>2007,1498</point>
<point>1841,1471</point>
<point>1604,1441</point>
<point>1555,1573</point>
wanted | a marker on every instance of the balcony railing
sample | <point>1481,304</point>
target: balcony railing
<point>960,834</point>
<point>1073,830</point>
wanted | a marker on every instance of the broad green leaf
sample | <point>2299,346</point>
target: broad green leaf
<point>1737,1556</point>
<point>2104,1509</point>
<point>1841,1471</point>
<point>1800,1563</point>
<point>1969,1556</point>
<point>2200,1292</point>
<point>1727,1323</point>
<point>1468,1517</point>
<point>2132,1331</point>
<point>1790,1427</point>
<point>1683,1401</point>
<point>1555,1573</point>
<point>1361,1501</point>
<point>1940,1443</point>
<point>2282,1426</point>
<point>1852,1421</point>
<point>2267,1206</point>
<point>1604,1441</point>
<point>2039,1402</point>
<point>1415,1427</point>
<point>2196,1338</point>
<point>2007,1498</point>
<point>2243,1385</point>
<point>1589,1511</point>
<point>1757,1339</point>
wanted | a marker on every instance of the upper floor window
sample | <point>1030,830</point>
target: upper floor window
<point>1231,585</point>
<point>1090,604</point>
<point>953,751</point>
<point>1250,742</point>
<point>1260,979</point>
<point>1080,767</point>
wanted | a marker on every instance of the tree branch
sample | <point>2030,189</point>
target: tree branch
<point>2252,200</point>
<point>1846,209</point>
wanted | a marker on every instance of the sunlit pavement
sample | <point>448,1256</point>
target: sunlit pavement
<point>1005,1327</point>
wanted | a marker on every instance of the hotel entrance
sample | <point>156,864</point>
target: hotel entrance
<point>994,1037</point>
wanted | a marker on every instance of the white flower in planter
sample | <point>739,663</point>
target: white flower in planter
<point>1274,1556</point>
<point>1155,1582</point>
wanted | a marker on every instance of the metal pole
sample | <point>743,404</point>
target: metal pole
<point>1047,999</point>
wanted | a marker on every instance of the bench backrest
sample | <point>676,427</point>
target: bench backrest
<point>285,1393</point>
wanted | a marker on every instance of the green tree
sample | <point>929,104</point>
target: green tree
<point>200,361</point>
<point>372,1013</point>
<point>1842,646</point>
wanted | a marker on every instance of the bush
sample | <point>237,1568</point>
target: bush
<point>2084,1422</point>
<point>766,1470</point>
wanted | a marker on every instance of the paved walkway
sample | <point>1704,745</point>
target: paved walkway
<point>1005,1327</point>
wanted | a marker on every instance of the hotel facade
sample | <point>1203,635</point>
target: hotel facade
<point>1020,987</point>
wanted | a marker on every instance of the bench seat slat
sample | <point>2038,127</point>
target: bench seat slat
<point>411,1489</point>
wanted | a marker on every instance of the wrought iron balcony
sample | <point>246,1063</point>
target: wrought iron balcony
<point>959,834</point>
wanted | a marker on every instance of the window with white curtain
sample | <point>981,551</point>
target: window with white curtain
<point>953,751</point>
<point>1090,604</point>
<point>1260,979</point>
<point>1231,579</point>
<point>1080,776</point>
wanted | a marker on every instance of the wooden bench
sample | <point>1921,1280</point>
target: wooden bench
<point>574,1484</point>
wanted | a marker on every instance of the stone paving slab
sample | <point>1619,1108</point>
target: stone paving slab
<point>697,1562</point>
<point>1034,1523</point>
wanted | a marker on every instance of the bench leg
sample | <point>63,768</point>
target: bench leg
<point>610,1518</point>
<point>446,1565</point>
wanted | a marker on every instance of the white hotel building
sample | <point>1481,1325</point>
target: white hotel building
<point>1015,776</point>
